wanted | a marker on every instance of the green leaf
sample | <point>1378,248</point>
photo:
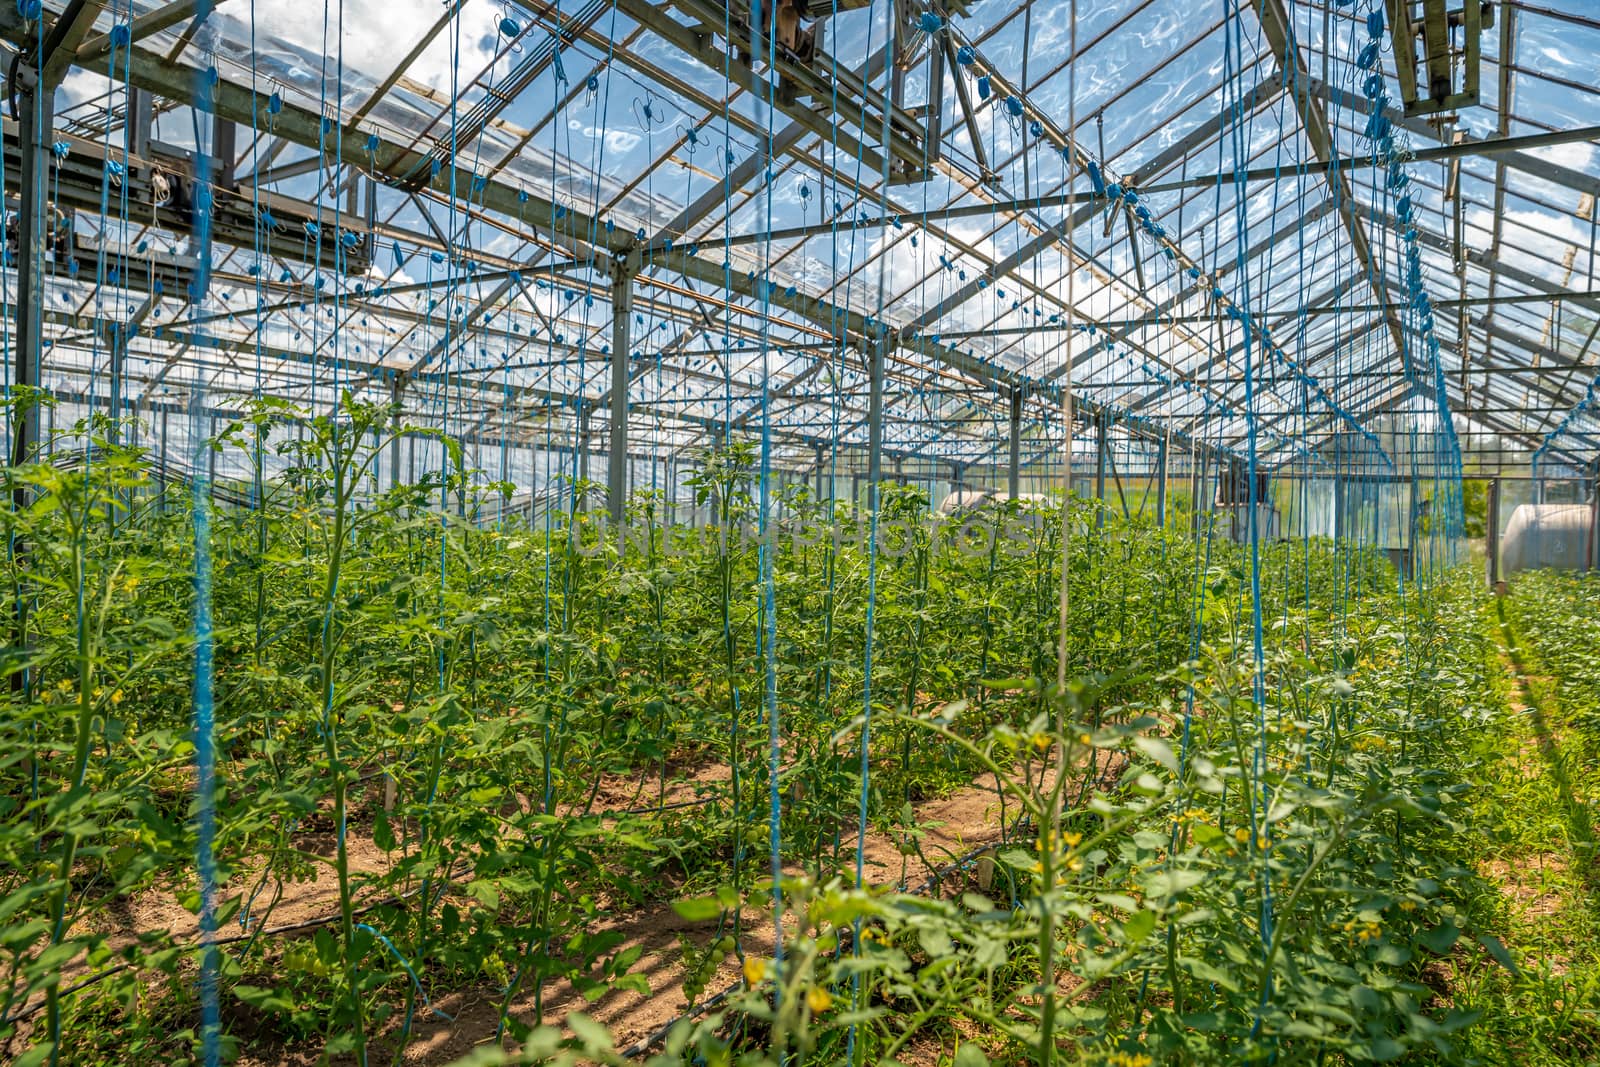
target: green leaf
<point>698,909</point>
<point>1441,938</point>
<point>1168,883</point>
<point>935,942</point>
<point>1497,949</point>
<point>969,1055</point>
<point>1157,750</point>
<point>484,892</point>
<point>1007,683</point>
<point>1139,925</point>
<point>382,832</point>
<point>1459,1019</point>
<point>40,1053</point>
<point>1366,999</point>
<point>1384,1049</point>
<point>594,1036</point>
<point>267,1000</point>
<point>977,902</point>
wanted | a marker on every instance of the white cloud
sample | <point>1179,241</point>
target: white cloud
<point>617,141</point>
<point>81,86</point>
<point>377,34</point>
<point>1578,157</point>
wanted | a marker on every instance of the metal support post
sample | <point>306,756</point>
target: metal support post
<point>224,149</point>
<point>1491,532</point>
<point>822,457</point>
<point>1161,484</point>
<point>1014,459</point>
<point>141,113</point>
<point>1194,489</point>
<point>581,460</point>
<point>1592,557</point>
<point>36,120</point>
<point>671,477</point>
<point>397,391</point>
<point>119,355</point>
<point>876,353</point>
<point>1100,470</point>
<point>621,346</point>
<point>1340,509</point>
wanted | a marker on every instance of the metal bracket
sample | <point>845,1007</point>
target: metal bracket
<point>1434,33</point>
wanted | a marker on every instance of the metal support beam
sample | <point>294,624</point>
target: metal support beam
<point>968,112</point>
<point>907,154</point>
<point>1495,147</point>
<point>35,77</point>
<point>94,50</point>
<point>621,349</point>
<point>878,351</point>
<point>1492,532</point>
<point>582,458</point>
<point>1161,483</point>
<point>1100,469</point>
<point>1592,555</point>
<point>37,116</point>
<point>1279,32</point>
<point>397,393</point>
<point>1014,464</point>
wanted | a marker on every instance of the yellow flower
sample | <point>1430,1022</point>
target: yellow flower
<point>1129,1059</point>
<point>1072,839</point>
<point>1194,813</point>
<point>1085,739</point>
<point>1408,905</point>
<point>1241,835</point>
<point>116,696</point>
<point>755,969</point>
<point>818,1000</point>
<point>1040,741</point>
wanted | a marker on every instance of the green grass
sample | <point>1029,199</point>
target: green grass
<point>1541,890</point>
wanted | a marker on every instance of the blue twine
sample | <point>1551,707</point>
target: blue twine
<point>415,981</point>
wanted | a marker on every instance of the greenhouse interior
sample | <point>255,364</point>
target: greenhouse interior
<point>916,532</point>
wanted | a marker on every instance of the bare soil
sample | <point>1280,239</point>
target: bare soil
<point>945,829</point>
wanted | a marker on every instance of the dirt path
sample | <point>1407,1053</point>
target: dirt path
<point>945,829</point>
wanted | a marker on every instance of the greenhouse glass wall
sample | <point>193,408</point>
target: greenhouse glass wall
<point>873,532</point>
